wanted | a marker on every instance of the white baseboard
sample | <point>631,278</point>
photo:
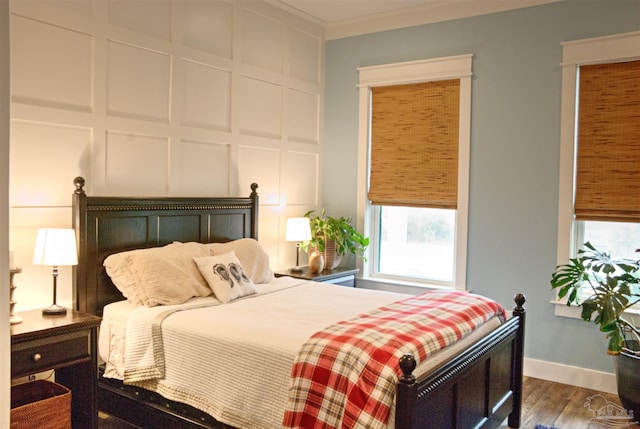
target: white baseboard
<point>575,376</point>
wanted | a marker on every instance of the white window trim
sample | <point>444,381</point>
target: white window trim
<point>455,67</point>
<point>575,53</point>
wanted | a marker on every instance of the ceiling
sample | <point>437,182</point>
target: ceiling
<point>344,18</point>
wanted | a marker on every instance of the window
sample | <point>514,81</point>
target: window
<point>600,156</point>
<point>620,238</point>
<point>409,236</point>
<point>413,170</point>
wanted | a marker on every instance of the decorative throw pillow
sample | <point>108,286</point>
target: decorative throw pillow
<point>226,276</point>
<point>252,256</point>
<point>159,275</point>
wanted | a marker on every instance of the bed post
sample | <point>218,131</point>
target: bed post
<point>78,223</point>
<point>518,357</point>
<point>406,392</point>
<point>254,210</point>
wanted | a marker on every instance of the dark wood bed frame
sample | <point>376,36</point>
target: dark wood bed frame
<point>479,388</point>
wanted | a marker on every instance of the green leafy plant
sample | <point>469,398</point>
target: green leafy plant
<point>338,229</point>
<point>611,283</point>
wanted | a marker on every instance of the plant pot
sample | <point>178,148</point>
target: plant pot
<point>628,379</point>
<point>331,258</point>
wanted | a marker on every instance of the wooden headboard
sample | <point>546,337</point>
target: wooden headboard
<point>106,225</point>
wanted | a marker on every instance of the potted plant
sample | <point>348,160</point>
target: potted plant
<point>612,286</point>
<point>333,237</point>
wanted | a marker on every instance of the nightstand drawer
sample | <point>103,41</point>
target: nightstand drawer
<point>343,281</point>
<point>46,353</point>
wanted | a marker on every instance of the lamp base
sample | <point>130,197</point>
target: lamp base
<point>295,269</point>
<point>54,310</point>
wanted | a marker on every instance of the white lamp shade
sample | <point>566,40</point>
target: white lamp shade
<point>55,247</point>
<point>298,229</point>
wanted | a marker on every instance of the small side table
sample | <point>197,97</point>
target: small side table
<point>67,344</point>
<point>340,276</point>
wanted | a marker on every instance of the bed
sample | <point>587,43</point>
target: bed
<point>478,386</point>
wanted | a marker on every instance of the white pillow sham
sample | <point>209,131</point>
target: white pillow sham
<point>226,276</point>
<point>159,275</point>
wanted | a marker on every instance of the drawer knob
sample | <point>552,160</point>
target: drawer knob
<point>36,357</point>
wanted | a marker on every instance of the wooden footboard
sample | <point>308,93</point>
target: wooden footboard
<point>479,388</point>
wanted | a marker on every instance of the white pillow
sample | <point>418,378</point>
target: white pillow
<point>251,255</point>
<point>159,275</point>
<point>226,276</point>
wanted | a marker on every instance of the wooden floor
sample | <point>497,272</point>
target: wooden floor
<point>544,402</point>
<point>562,406</point>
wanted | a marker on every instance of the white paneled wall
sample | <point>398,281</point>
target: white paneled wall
<point>160,98</point>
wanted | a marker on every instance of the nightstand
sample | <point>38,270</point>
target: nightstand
<point>340,276</point>
<point>67,344</point>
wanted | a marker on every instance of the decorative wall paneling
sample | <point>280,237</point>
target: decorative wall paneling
<point>160,98</point>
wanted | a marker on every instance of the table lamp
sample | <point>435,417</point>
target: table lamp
<point>55,247</point>
<point>298,230</point>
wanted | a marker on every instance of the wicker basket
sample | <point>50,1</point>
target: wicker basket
<point>40,404</point>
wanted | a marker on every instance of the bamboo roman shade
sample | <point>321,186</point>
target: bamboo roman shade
<point>414,144</point>
<point>608,154</point>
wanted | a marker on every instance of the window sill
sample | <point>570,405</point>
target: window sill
<point>564,310</point>
<point>408,281</point>
<point>574,312</point>
<point>397,285</point>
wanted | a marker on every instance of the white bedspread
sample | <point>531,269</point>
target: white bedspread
<point>210,355</point>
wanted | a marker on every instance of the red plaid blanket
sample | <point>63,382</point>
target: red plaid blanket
<point>345,375</point>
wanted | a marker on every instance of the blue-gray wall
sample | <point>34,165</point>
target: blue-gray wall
<point>515,141</point>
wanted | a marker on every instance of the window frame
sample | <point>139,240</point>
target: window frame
<point>614,48</point>
<point>367,220</point>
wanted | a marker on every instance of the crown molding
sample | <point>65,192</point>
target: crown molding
<point>437,11</point>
